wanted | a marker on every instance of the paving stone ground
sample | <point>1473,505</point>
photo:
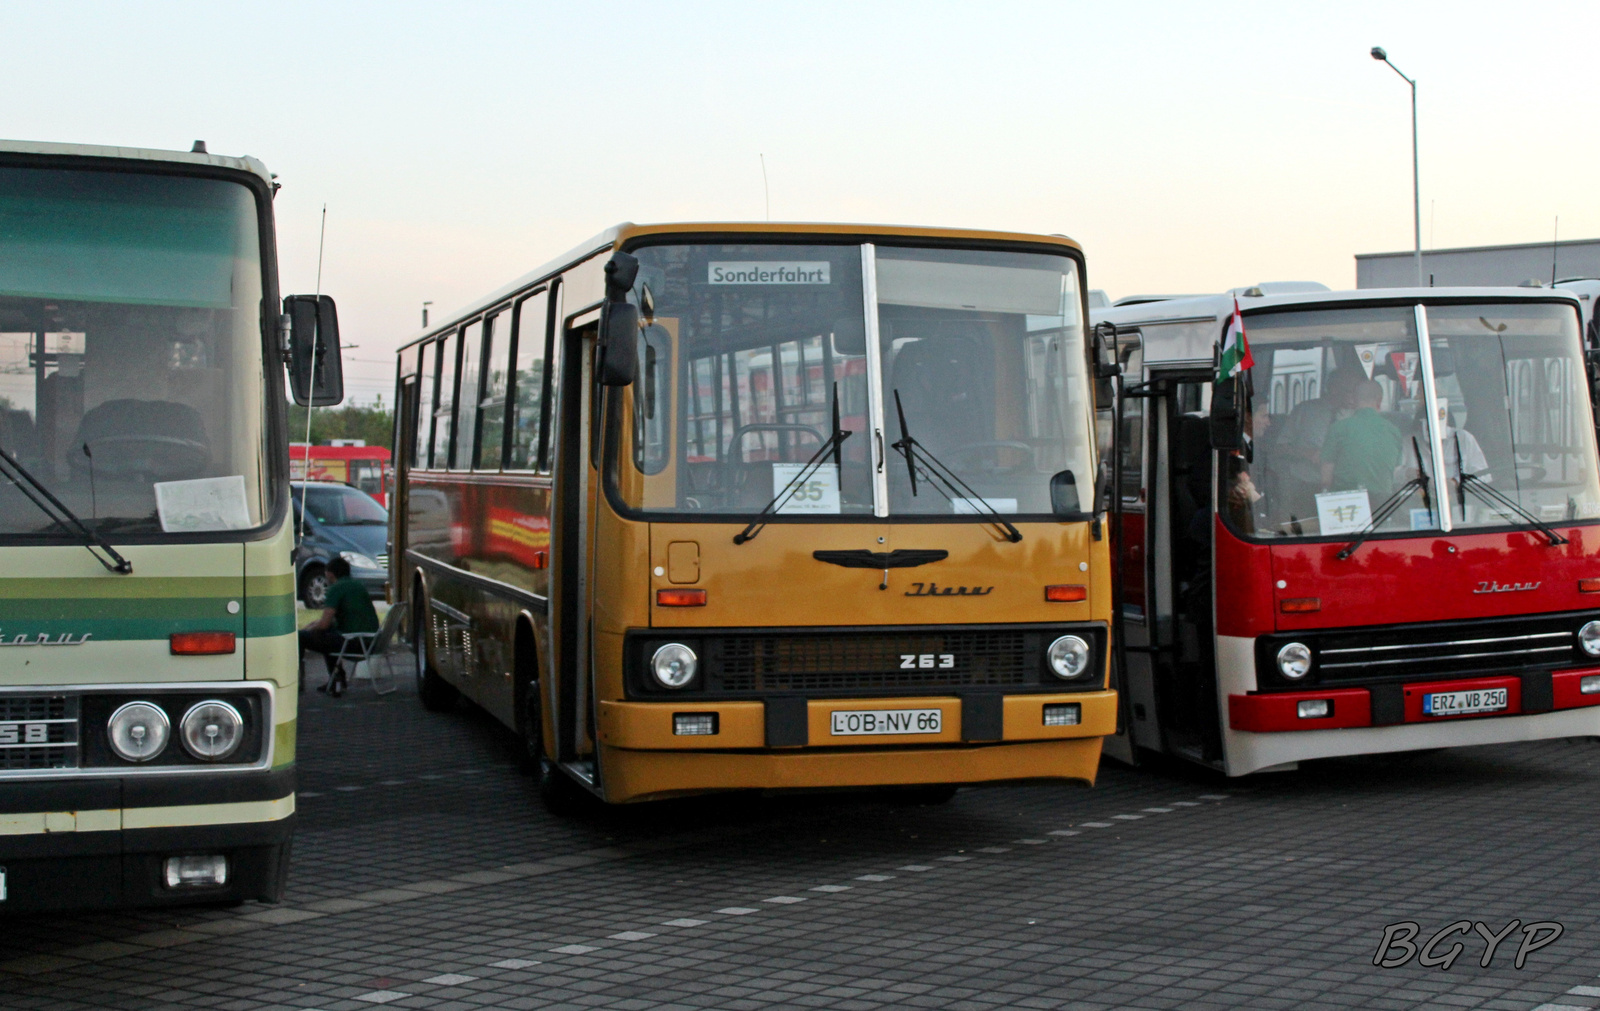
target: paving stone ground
<point>427,875</point>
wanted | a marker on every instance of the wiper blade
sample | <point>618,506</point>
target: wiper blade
<point>794,484</point>
<point>63,517</point>
<point>1392,503</point>
<point>942,478</point>
<point>1500,501</point>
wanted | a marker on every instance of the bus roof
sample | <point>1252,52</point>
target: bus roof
<point>627,231</point>
<point>1196,322</point>
<point>47,148</point>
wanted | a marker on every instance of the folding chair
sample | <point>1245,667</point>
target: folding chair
<point>371,647</point>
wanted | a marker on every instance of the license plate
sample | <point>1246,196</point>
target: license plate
<point>1484,700</point>
<point>863,722</point>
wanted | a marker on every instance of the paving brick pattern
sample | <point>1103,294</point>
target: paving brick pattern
<point>427,875</point>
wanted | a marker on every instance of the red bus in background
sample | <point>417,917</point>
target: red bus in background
<point>365,467</point>
<point>1383,537</point>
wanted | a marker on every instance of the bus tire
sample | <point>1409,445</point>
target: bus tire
<point>530,729</point>
<point>437,694</point>
<point>561,796</point>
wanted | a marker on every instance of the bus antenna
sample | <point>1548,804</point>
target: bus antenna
<point>766,192</point>
<point>311,401</point>
<point>1554,246</point>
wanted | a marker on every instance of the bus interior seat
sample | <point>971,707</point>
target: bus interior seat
<point>945,384</point>
<point>158,439</point>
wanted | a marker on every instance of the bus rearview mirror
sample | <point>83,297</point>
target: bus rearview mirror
<point>619,344</point>
<point>316,371</point>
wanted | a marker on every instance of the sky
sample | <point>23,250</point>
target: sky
<point>1188,147</point>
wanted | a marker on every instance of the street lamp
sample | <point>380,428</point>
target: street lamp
<point>1416,184</point>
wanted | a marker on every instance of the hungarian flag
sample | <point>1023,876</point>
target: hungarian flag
<point>1235,348</point>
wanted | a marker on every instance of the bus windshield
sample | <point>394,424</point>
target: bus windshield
<point>130,351</point>
<point>1339,426</point>
<point>752,348</point>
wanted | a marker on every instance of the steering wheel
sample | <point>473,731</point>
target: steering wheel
<point>1031,463</point>
<point>736,444</point>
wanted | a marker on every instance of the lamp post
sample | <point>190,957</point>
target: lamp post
<point>1416,184</point>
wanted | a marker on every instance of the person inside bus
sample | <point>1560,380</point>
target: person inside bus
<point>348,609</point>
<point>1362,450</point>
<point>1301,437</point>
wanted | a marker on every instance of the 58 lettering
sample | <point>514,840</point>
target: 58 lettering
<point>927,661</point>
<point>24,733</point>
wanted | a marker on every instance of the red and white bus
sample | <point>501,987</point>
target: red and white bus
<point>365,467</point>
<point>1383,536</point>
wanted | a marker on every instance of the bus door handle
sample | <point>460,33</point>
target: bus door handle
<point>877,434</point>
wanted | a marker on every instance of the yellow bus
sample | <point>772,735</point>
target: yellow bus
<point>148,681</point>
<point>706,507</point>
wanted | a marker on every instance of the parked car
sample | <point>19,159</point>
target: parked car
<point>341,521</point>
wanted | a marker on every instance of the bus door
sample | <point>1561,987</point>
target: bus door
<point>576,443</point>
<point>405,441</point>
<point>1131,633</point>
<point>1180,581</point>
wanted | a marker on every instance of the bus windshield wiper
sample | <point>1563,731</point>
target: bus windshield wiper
<point>795,483</point>
<point>1392,503</point>
<point>59,514</point>
<point>1498,500</point>
<point>943,480</point>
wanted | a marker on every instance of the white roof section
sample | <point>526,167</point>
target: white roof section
<point>1189,327</point>
<point>241,164</point>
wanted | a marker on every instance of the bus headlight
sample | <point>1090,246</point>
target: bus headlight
<point>1589,638</point>
<point>211,730</point>
<point>674,665</point>
<point>1294,660</point>
<point>138,731</point>
<point>1069,657</point>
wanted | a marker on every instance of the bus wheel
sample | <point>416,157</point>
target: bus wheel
<point>561,796</point>
<point>530,728</point>
<point>437,694</point>
<point>314,588</point>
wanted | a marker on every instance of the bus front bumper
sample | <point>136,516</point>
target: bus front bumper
<point>792,744</point>
<point>105,843</point>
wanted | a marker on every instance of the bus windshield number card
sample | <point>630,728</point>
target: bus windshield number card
<point>818,494</point>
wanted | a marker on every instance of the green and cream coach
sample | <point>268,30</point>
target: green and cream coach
<point>148,677</point>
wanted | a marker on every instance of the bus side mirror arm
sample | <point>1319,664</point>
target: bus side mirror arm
<point>1229,402</point>
<point>619,324</point>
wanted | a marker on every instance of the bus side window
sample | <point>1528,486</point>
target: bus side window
<point>527,377</point>
<point>471,394</point>
<point>444,414</point>
<point>496,379</point>
<point>427,389</point>
<point>1132,441</point>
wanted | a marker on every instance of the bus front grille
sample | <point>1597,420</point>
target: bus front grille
<point>38,732</point>
<point>1399,653</point>
<point>859,661</point>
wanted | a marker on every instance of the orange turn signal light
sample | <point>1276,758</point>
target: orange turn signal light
<point>1300,605</point>
<point>681,598</point>
<point>1589,586</point>
<point>1066,594</point>
<point>201,643</point>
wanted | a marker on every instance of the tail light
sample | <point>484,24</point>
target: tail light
<point>201,643</point>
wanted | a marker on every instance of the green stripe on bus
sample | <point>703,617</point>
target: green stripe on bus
<point>148,618</point>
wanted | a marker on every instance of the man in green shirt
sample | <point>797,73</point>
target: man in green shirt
<point>346,609</point>
<point>1363,450</point>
